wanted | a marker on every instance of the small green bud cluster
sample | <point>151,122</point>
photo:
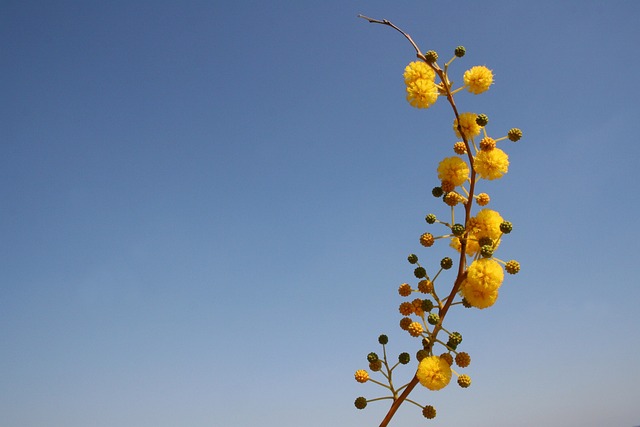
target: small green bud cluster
<point>361,402</point>
<point>446,263</point>
<point>372,357</point>
<point>433,318</point>
<point>427,305</point>
<point>506,227</point>
<point>404,358</point>
<point>460,51</point>
<point>437,191</point>
<point>431,56</point>
<point>413,258</point>
<point>383,339</point>
<point>486,251</point>
<point>431,218</point>
<point>482,120</point>
<point>514,134</point>
<point>420,272</point>
<point>457,230</point>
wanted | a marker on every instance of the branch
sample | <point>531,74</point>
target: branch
<point>419,54</point>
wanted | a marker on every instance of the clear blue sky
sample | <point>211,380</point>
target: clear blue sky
<point>207,208</point>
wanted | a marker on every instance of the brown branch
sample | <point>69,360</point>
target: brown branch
<point>419,54</point>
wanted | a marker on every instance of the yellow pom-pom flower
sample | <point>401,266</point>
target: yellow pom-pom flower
<point>362,376</point>
<point>415,329</point>
<point>486,223</point>
<point>418,70</point>
<point>453,170</point>
<point>483,199</point>
<point>478,79</point>
<point>434,373</point>
<point>484,278</point>
<point>468,124</point>
<point>491,164</point>
<point>422,93</point>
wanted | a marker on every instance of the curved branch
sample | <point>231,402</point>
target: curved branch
<point>419,54</point>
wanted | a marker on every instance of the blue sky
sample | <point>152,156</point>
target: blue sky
<point>207,208</point>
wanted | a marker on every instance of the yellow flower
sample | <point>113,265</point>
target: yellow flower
<point>453,170</point>
<point>484,278</point>
<point>491,164</point>
<point>422,93</point>
<point>478,79</point>
<point>486,223</point>
<point>418,70</point>
<point>362,376</point>
<point>415,329</point>
<point>434,373</point>
<point>469,126</point>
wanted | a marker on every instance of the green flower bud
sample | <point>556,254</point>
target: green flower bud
<point>383,339</point>
<point>420,272</point>
<point>437,191</point>
<point>413,258</point>
<point>486,251</point>
<point>506,227</point>
<point>482,120</point>
<point>431,56</point>
<point>360,402</point>
<point>455,337</point>
<point>431,218</point>
<point>446,263</point>
<point>372,357</point>
<point>514,134</point>
<point>460,51</point>
<point>427,305</point>
<point>433,318</point>
<point>457,230</point>
<point>404,358</point>
<point>485,241</point>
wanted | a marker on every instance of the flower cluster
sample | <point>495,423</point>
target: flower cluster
<point>473,231</point>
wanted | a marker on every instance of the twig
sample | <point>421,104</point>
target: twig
<point>419,54</point>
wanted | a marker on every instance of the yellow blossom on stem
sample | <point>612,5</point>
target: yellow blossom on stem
<point>362,376</point>
<point>453,170</point>
<point>484,278</point>
<point>418,70</point>
<point>483,199</point>
<point>415,329</point>
<point>468,124</point>
<point>491,164</point>
<point>434,373</point>
<point>478,79</point>
<point>422,93</point>
<point>486,223</point>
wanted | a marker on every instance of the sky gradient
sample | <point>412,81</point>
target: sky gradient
<point>207,208</point>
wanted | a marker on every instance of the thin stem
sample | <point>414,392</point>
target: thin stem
<point>407,36</point>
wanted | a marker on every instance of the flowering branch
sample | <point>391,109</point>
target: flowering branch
<point>478,237</point>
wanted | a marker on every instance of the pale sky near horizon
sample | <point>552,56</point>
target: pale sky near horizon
<point>207,208</point>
